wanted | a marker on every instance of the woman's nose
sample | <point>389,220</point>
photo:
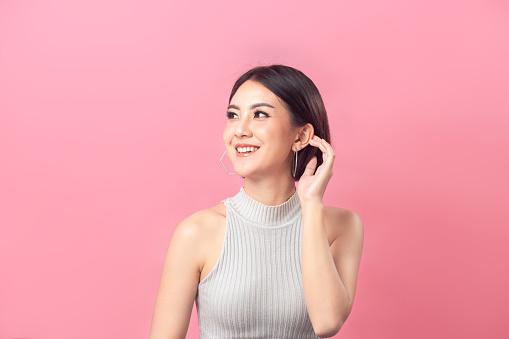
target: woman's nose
<point>243,128</point>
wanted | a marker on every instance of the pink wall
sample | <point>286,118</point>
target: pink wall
<point>111,118</point>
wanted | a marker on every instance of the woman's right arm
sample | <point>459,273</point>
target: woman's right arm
<point>179,281</point>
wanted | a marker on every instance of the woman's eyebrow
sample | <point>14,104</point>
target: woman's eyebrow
<point>253,106</point>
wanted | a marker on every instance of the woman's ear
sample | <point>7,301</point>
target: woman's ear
<point>304,134</point>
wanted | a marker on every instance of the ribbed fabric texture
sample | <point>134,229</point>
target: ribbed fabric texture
<point>255,288</point>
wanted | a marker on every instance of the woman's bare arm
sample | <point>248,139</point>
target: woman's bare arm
<point>179,280</point>
<point>329,272</point>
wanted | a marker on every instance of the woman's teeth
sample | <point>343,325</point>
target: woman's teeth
<point>246,149</point>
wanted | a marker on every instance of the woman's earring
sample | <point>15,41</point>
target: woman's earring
<point>221,160</point>
<point>295,167</point>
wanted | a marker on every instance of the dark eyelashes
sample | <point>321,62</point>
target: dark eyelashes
<point>262,113</point>
<point>230,115</point>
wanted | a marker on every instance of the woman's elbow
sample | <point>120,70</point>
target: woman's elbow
<point>329,329</point>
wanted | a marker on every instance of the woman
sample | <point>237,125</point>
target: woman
<point>271,261</point>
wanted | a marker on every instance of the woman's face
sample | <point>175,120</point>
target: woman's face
<point>258,123</point>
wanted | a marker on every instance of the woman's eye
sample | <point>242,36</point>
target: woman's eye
<point>264,115</point>
<point>231,115</point>
<point>258,114</point>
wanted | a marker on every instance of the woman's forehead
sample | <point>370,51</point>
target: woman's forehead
<point>251,92</point>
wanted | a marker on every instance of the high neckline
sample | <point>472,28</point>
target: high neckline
<point>261,214</point>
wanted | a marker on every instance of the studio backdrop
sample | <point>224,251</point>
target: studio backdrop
<point>111,121</point>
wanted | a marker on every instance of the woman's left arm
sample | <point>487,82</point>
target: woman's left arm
<point>329,269</point>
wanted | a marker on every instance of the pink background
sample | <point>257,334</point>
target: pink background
<point>111,120</point>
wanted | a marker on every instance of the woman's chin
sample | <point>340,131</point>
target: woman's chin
<point>252,174</point>
<point>243,173</point>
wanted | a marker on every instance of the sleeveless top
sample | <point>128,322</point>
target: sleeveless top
<point>255,288</point>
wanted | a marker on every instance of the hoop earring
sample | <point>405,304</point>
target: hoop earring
<point>295,167</point>
<point>221,160</point>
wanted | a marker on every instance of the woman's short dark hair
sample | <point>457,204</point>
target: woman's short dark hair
<point>300,97</point>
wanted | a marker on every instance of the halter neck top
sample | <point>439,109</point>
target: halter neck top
<point>255,288</point>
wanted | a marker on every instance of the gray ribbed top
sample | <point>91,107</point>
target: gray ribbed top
<point>255,288</point>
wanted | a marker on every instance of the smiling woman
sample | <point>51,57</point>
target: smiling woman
<point>271,261</point>
<point>290,91</point>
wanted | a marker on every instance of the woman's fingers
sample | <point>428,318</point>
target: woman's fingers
<point>318,143</point>
<point>310,167</point>
<point>327,147</point>
<point>328,154</point>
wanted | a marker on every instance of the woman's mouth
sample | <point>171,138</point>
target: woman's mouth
<point>245,151</point>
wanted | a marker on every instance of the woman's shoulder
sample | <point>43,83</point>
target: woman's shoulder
<point>339,213</point>
<point>341,221</point>
<point>202,223</point>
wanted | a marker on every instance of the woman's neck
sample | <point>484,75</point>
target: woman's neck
<point>270,191</point>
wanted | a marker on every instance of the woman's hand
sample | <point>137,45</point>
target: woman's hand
<point>312,187</point>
